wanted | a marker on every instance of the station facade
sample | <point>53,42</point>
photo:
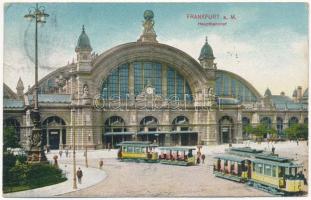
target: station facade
<point>147,91</point>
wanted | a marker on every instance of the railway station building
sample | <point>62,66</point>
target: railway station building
<point>148,91</point>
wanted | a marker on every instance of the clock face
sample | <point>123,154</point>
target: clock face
<point>149,90</point>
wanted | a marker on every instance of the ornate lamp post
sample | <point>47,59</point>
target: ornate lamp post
<point>36,151</point>
<point>74,149</point>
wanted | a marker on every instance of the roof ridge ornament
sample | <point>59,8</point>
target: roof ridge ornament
<point>149,35</point>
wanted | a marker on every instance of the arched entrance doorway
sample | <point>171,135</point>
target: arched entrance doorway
<point>54,132</point>
<point>148,130</point>
<point>115,131</point>
<point>181,132</point>
<point>225,130</point>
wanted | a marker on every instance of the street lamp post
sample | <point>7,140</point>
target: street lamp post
<point>74,149</point>
<point>86,160</point>
<point>36,151</point>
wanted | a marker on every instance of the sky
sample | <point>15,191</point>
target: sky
<point>265,43</point>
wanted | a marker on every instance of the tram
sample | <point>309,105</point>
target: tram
<point>137,151</point>
<point>182,156</point>
<point>264,171</point>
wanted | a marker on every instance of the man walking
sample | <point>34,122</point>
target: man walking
<point>203,158</point>
<point>79,175</point>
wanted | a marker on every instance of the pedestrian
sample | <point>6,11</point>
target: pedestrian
<point>198,160</point>
<point>79,175</point>
<point>60,153</point>
<point>203,158</point>
<point>273,150</point>
<point>108,146</point>
<point>297,142</point>
<point>67,152</point>
<point>101,163</point>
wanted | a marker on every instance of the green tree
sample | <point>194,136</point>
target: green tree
<point>10,138</point>
<point>297,131</point>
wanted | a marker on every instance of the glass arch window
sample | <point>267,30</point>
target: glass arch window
<point>147,72</point>
<point>177,85</point>
<point>166,81</point>
<point>227,85</point>
<point>117,83</point>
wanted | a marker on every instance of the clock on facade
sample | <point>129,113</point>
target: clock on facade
<point>149,90</point>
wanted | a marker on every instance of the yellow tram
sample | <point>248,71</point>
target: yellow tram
<point>264,171</point>
<point>138,151</point>
<point>177,156</point>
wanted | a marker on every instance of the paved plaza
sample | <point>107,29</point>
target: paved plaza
<point>130,179</point>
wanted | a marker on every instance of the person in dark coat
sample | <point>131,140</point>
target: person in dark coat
<point>79,175</point>
<point>203,158</point>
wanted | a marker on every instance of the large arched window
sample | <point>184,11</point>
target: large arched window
<point>176,84</point>
<point>13,124</point>
<point>292,121</point>
<point>165,79</point>
<point>266,121</point>
<point>117,83</point>
<point>115,124</point>
<point>145,72</point>
<point>229,86</point>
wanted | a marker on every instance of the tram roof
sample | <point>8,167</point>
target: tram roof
<point>272,158</point>
<point>231,158</point>
<point>177,148</point>
<point>245,150</point>
<point>281,164</point>
<point>137,143</point>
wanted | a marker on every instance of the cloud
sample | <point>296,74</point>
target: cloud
<point>277,59</point>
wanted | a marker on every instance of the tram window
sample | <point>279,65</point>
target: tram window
<point>286,171</point>
<point>281,171</point>
<point>137,149</point>
<point>274,171</point>
<point>260,168</point>
<point>129,149</point>
<point>267,170</point>
<point>293,171</point>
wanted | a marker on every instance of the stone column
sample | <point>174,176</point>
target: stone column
<point>47,135</point>
<point>61,139</point>
<point>239,128</point>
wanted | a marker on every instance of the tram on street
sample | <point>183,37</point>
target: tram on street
<point>137,151</point>
<point>262,170</point>
<point>177,156</point>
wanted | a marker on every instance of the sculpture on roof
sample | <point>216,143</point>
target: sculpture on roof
<point>149,34</point>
